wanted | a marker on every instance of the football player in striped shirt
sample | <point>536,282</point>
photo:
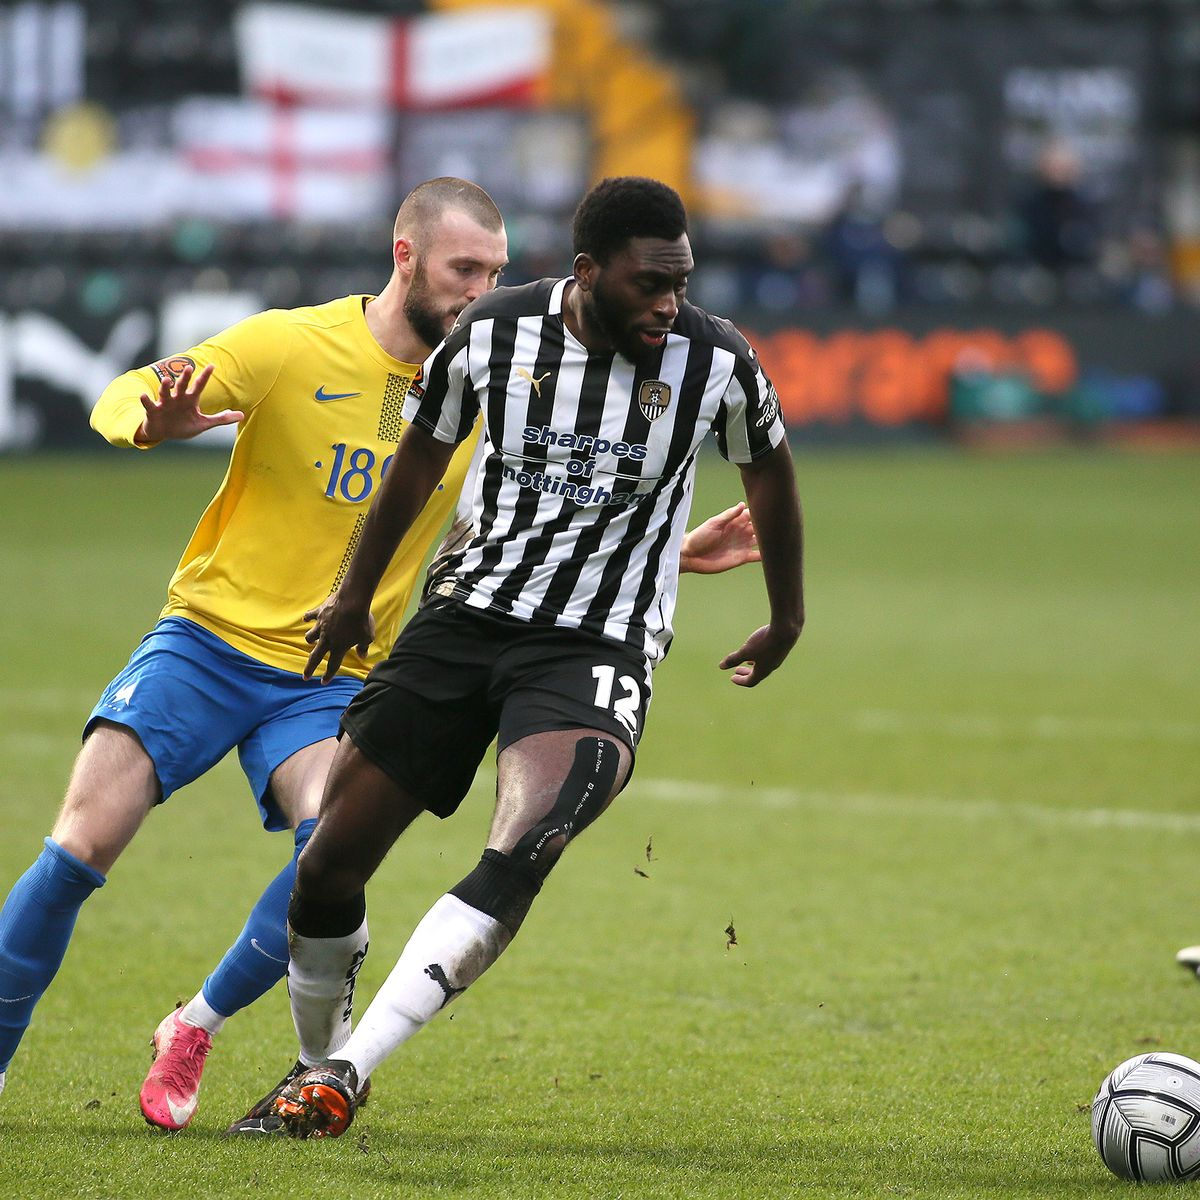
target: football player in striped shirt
<point>596,392</point>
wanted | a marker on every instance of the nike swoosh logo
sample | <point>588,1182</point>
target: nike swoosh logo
<point>261,951</point>
<point>321,396</point>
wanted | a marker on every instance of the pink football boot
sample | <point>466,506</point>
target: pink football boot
<point>171,1090</point>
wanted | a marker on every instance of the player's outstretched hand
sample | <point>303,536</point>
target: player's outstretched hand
<point>337,626</point>
<point>721,543</point>
<point>763,651</point>
<point>175,414</point>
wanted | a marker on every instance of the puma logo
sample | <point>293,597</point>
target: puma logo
<point>526,374</point>
<point>435,972</point>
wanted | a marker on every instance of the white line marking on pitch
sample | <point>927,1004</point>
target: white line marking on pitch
<point>882,804</point>
<point>878,720</point>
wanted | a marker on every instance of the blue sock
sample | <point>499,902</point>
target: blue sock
<point>258,960</point>
<point>35,927</point>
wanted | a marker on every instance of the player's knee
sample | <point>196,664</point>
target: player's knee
<point>330,865</point>
<point>581,799</point>
<point>504,886</point>
<point>319,874</point>
<point>112,788</point>
<point>82,843</point>
<point>315,912</point>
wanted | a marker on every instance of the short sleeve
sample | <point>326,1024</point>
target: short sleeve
<point>749,423</point>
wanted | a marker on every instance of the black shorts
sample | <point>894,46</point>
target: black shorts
<point>458,677</point>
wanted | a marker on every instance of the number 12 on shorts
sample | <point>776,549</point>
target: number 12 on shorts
<point>624,708</point>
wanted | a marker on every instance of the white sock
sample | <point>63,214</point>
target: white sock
<point>2,1078</point>
<point>197,1011</point>
<point>321,977</point>
<point>451,947</point>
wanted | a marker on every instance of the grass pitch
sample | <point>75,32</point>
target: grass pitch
<point>955,842</point>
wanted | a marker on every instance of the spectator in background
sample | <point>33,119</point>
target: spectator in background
<point>1059,223</point>
<point>784,277</point>
<point>1146,278</point>
<point>866,265</point>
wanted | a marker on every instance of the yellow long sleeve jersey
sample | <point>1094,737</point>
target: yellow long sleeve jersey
<point>322,401</point>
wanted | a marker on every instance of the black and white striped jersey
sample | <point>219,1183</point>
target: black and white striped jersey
<point>584,484</point>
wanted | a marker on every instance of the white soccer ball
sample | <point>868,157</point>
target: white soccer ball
<point>1146,1119</point>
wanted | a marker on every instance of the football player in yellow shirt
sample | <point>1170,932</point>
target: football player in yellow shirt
<point>316,394</point>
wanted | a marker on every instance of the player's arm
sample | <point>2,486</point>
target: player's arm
<point>770,485</point>
<point>215,383</point>
<point>132,411</point>
<point>174,414</point>
<point>345,620</point>
<point>750,432</point>
<point>721,543</point>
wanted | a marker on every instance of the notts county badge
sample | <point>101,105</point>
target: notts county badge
<point>653,398</point>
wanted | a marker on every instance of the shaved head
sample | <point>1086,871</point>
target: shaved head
<point>428,202</point>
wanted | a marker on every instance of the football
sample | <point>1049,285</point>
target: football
<point>1146,1119</point>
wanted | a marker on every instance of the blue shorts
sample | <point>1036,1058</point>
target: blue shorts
<point>190,698</point>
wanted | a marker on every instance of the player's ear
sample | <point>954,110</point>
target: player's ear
<point>404,254</point>
<point>585,269</point>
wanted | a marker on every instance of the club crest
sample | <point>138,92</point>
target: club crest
<point>653,398</point>
<point>170,369</point>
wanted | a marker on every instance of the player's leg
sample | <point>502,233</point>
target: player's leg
<point>177,707</point>
<point>258,958</point>
<point>256,961</point>
<point>363,813</point>
<point>286,757</point>
<point>550,786</point>
<point>563,757</point>
<point>403,751</point>
<point>112,788</point>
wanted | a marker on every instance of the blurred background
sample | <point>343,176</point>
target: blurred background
<point>967,219</point>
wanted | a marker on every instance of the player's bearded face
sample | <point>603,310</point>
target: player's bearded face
<point>430,317</point>
<point>614,318</point>
<point>634,298</point>
<point>456,261</point>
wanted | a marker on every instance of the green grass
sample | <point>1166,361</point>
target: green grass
<point>956,838</point>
